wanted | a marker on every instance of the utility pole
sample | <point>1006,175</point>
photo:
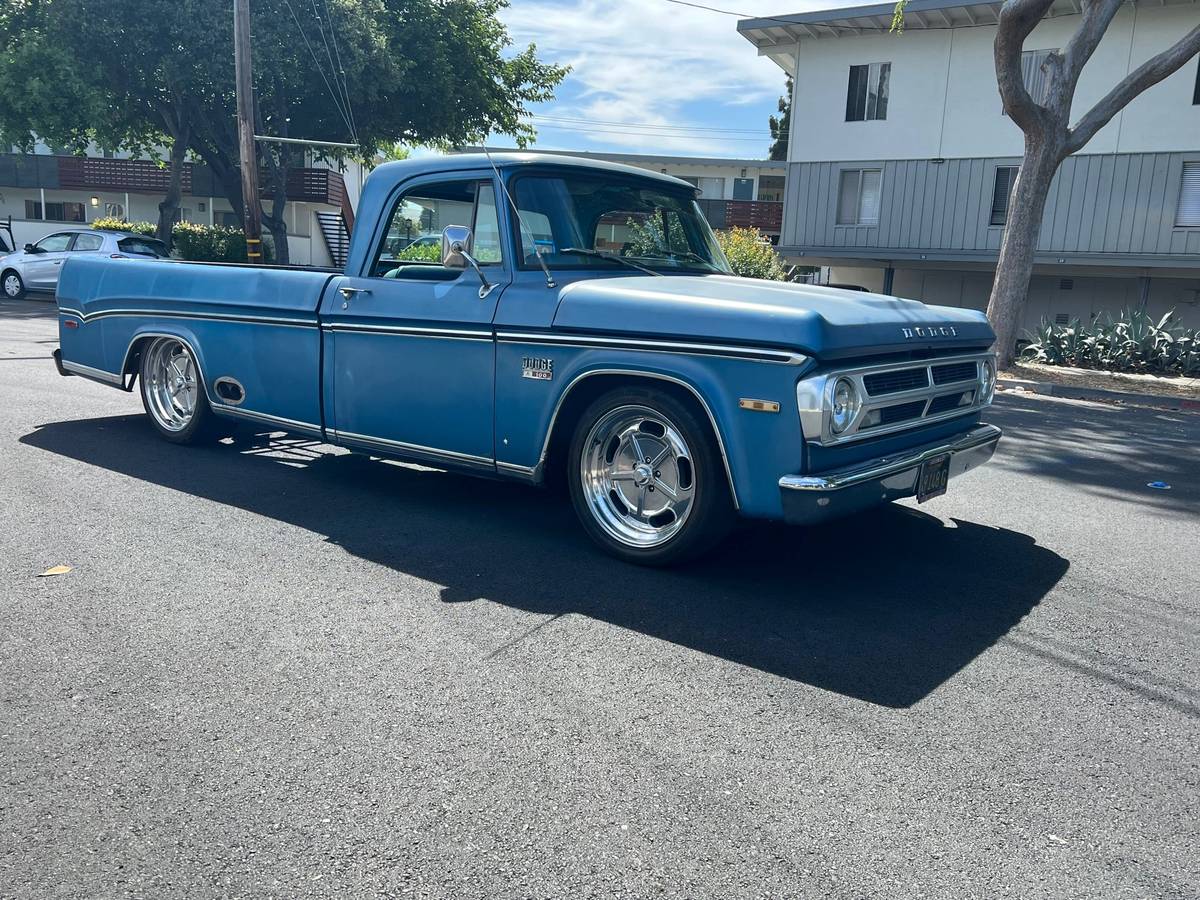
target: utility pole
<point>252,219</point>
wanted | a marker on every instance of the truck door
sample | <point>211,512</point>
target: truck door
<point>410,352</point>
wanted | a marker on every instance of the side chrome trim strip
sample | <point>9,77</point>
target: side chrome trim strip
<point>732,351</point>
<point>884,466</point>
<point>176,314</point>
<point>516,469</point>
<point>402,447</point>
<point>222,408</point>
<point>539,468</point>
<point>459,334</point>
<point>94,374</point>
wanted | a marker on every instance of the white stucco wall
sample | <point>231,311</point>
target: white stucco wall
<point>943,100</point>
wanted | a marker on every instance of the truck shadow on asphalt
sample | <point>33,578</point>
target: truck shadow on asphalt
<point>884,607</point>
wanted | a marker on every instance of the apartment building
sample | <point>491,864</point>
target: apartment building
<point>43,190</point>
<point>901,158</point>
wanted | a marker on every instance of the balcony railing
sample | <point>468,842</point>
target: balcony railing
<point>765,215</point>
<point>143,176</point>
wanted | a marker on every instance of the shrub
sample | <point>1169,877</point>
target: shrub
<point>751,255</point>
<point>1133,342</point>
<point>111,224</point>
<point>421,252</point>
<point>195,242</point>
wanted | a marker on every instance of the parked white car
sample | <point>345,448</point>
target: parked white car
<point>36,267</point>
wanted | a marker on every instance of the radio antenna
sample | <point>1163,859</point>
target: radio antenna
<point>525,229</point>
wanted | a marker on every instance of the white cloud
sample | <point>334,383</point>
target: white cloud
<point>643,62</point>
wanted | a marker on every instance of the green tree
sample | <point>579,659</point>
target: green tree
<point>781,127</point>
<point>751,255</point>
<point>372,72</point>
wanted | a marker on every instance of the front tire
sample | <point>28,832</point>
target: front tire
<point>646,478</point>
<point>173,392</point>
<point>12,285</point>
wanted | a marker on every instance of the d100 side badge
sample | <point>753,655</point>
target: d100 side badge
<point>538,367</point>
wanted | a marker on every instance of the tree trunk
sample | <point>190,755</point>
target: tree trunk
<point>277,175</point>
<point>1014,268</point>
<point>169,206</point>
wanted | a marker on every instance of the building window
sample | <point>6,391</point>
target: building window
<point>1188,212</point>
<point>1036,79</point>
<point>1196,91</point>
<point>858,197</point>
<point>1001,192</point>
<point>55,212</point>
<point>867,95</point>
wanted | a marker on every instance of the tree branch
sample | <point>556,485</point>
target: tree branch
<point>1017,20</point>
<point>1097,16</point>
<point>1145,76</point>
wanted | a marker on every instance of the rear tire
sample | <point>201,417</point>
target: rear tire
<point>173,392</point>
<point>12,285</point>
<point>646,478</point>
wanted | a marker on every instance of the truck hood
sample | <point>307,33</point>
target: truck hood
<point>828,323</point>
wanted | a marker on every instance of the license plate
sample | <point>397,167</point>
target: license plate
<point>933,478</point>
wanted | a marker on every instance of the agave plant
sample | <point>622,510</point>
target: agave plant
<point>1133,342</point>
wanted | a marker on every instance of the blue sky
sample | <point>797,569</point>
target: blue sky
<point>653,63</point>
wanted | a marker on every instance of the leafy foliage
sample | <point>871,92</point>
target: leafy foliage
<point>192,241</point>
<point>1133,342</point>
<point>751,255</point>
<point>421,253</point>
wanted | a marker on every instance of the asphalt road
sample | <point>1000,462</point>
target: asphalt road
<point>280,670</point>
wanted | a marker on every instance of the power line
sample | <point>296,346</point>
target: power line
<point>583,129</point>
<point>839,29</point>
<point>648,125</point>
<point>320,70</point>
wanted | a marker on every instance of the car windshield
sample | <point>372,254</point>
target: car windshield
<point>142,246</point>
<point>652,225</point>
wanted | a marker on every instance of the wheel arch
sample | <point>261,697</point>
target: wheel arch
<point>131,365</point>
<point>589,385</point>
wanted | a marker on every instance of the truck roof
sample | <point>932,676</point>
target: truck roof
<point>515,159</point>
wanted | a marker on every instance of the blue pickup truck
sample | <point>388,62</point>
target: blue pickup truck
<point>574,321</point>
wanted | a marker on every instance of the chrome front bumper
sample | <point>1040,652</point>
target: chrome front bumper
<point>815,498</point>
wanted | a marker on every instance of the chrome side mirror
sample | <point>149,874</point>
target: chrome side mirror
<point>456,254</point>
<point>456,245</point>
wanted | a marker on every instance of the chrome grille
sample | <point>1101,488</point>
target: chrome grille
<point>894,382</point>
<point>948,374</point>
<point>895,396</point>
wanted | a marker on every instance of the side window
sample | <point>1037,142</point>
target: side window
<point>1001,192</point>
<point>412,246</point>
<point>88,242</point>
<point>54,243</point>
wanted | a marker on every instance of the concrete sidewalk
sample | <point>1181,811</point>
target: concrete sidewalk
<point>1071,392</point>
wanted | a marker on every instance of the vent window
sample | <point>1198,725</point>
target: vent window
<point>1066,284</point>
<point>1062,319</point>
<point>1001,193</point>
<point>1188,213</point>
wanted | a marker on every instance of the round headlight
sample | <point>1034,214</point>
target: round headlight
<point>846,404</point>
<point>989,380</point>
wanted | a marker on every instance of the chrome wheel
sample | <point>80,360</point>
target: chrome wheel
<point>170,384</point>
<point>638,476</point>
<point>12,286</point>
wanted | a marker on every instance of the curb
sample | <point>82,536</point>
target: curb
<point>1069,392</point>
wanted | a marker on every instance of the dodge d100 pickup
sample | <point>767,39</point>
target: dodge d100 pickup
<point>552,319</point>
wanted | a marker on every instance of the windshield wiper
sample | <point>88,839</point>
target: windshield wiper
<point>611,257</point>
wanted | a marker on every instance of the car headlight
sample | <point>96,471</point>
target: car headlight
<point>989,380</point>
<point>846,404</point>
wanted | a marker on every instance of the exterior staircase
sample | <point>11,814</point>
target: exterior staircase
<point>336,234</point>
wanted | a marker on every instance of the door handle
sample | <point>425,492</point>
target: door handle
<point>349,293</point>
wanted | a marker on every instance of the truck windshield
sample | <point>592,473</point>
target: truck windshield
<point>651,225</point>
